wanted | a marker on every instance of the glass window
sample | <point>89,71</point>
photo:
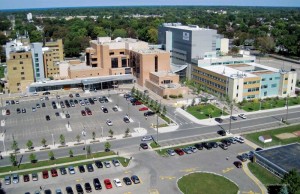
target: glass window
<point>114,62</point>
<point>274,85</point>
<point>124,62</point>
<point>156,64</point>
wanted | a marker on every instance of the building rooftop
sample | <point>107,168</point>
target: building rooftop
<point>228,71</point>
<point>149,51</point>
<point>80,66</point>
<point>184,27</point>
<point>238,65</point>
<point>163,73</point>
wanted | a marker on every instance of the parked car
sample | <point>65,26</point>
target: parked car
<point>208,146</point>
<point>149,113</point>
<point>7,180</point>
<point>187,150</point>
<point>115,162</point>
<point>127,181</point>
<point>126,119</point>
<point>87,187</point>
<point>58,191</point>
<point>199,146</point>
<point>77,95</point>
<point>239,139</point>
<point>107,184</point>
<point>234,118</point>
<point>179,151</point>
<point>226,142</point>
<point>7,112</point>
<point>106,164</point>
<point>147,138</point>
<point>135,179</point>
<point>238,164</point>
<point>219,120</point>
<point>243,116</point>
<point>15,178</point>
<point>143,108</point>
<point>71,170</point>
<point>193,149</point>
<point>104,109</point>
<point>109,122</point>
<point>214,144</point>
<point>99,164</point>
<point>90,167</point>
<point>97,184</point>
<point>18,111</point>
<point>81,168</point>
<point>144,146</point>
<point>45,174</point>
<point>171,152</point>
<point>88,111</point>
<point>48,118</point>
<point>63,170</point>
<point>117,182</point>
<point>258,149</point>
<point>69,190</point>
<point>23,110</point>
<point>223,146</point>
<point>115,108</point>
<point>222,132</point>
<point>54,172</point>
<point>34,176</point>
<point>243,158</point>
<point>232,140</point>
<point>83,113</point>
<point>26,178</point>
<point>79,189</point>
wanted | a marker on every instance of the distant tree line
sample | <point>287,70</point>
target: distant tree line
<point>260,27</point>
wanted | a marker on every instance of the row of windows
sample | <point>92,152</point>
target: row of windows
<point>20,56</point>
<point>209,75</point>
<point>253,89</point>
<point>276,78</point>
<point>15,68</point>
<point>209,82</point>
<point>252,82</point>
<point>113,53</point>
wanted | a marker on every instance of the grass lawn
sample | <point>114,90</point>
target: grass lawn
<point>206,183</point>
<point>262,174</point>
<point>2,71</point>
<point>275,141</point>
<point>203,111</point>
<point>56,161</point>
<point>154,145</point>
<point>268,104</point>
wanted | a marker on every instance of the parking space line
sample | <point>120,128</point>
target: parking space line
<point>153,191</point>
<point>188,170</point>
<point>167,177</point>
<point>227,169</point>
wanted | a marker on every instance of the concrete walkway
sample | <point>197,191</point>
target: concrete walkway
<point>257,182</point>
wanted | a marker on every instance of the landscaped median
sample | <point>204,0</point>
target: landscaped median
<point>59,162</point>
<point>205,111</point>
<point>280,136</point>
<point>206,183</point>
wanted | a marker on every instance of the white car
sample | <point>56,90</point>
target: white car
<point>243,116</point>
<point>193,148</point>
<point>117,182</point>
<point>147,138</point>
<point>239,139</point>
<point>109,122</point>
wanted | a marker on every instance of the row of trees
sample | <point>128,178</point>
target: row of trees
<point>269,27</point>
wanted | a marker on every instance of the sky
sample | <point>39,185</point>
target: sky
<point>24,4</point>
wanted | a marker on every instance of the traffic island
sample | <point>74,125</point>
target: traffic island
<point>206,183</point>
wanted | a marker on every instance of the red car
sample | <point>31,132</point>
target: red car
<point>45,174</point>
<point>179,151</point>
<point>83,113</point>
<point>7,112</point>
<point>108,184</point>
<point>137,103</point>
<point>54,172</point>
<point>143,108</point>
<point>88,111</point>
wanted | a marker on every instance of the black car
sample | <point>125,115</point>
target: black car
<point>75,101</point>
<point>43,105</point>
<point>226,142</point>
<point>97,184</point>
<point>81,169</point>
<point>63,170</point>
<point>47,118</point>
<point>90,167</point>
<point>149,113</point>
<point>222,132</point>
<point>46,93</point>
<point>48,191</point>
<point>104,109</point>
<point>207,145</point>
<point>87,187</point>
<point>198,146</point>
<point>214,144</point>
<point>18,110</point>
<point>219,120</point>
<point>126,119</point>
<point>144,146</point>
<point>258,149</point>
<point>127,181</point>
<point>99,164</point>
<point>77,95</point>
<point>69,190</point>
<point>234,118</point>
<point>57,114</point>
<point>91,101</point>
<point>79,189</point>
<point>242,157</point>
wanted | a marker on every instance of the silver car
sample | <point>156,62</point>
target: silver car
<point>15,178</point>
<point>7,180</point>
<point>171,152</point>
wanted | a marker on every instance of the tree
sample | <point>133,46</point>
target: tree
<point>14,145</point>
<point>13,159</point>
<point>265,44</point>
<point>29,144</point>
<point>111,132</point>
<point>88,150</point>
<point>107,145</point>
<point>164,112</point>
<point>152,35</point>
<point>292,180</point>
<point>94,135</point>
<point>44,141</point>
<point>133,90</point>
<point>32,158</point>
<point>127,132</point>
<point>71,153</point>
<point>62,139</point>
<point>51,155</point>
<point>119,33</point>
<point>283,190</point>
<point>78,138</point>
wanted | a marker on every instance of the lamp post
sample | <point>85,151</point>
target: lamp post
<point>84,135</point>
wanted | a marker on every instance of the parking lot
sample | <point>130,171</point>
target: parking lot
<point>34,126</point>
<point>70,180</point>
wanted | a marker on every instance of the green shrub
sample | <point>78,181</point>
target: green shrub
<point>180,96</point>
<point>165,97</point>
<point>172,96</point>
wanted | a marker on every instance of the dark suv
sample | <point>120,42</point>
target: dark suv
<point>149,113</point>
<point>97,184</point>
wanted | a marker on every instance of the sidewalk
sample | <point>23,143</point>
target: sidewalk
<point>250,175</point>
